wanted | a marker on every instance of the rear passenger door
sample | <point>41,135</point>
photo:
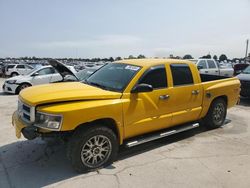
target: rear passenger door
<point>187,93</point>
<point>212,67</point>
<point>20,69</point>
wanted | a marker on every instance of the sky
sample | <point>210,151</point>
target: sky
<point>105,28</point>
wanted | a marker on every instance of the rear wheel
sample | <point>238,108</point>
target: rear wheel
<point>21,87</point>
<point>14,74</point>
<point>92,149</point>
<point>217,114</point>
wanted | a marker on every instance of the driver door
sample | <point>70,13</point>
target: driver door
<point>148,111</point>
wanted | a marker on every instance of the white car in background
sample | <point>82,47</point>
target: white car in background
<point>211,67</point>
<point>17,69</point>
<point>42,75</point>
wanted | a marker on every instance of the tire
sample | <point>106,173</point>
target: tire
<point>14,74</point>
<point>92,149</point>
<point>216,115</point>
<point>21,87</point>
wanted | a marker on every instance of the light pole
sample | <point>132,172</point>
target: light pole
<point>246,50</point>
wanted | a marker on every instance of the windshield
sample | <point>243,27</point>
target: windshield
<point>84,74</point>
<point>247,70</point>
<point>113,76</point>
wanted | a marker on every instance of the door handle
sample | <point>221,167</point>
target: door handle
<point>195,92</point>
<point>164,97</point>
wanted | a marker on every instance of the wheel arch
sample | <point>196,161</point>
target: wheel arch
<point>16,91</point>
<point>14,72</point>
<point>106,122</point>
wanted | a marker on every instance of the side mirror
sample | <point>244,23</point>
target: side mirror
<point>35,74</point>
<point>142,88</point>
<point>199,67</point>
<point>69,78</point>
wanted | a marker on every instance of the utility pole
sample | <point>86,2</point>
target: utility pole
<point>246,51</point>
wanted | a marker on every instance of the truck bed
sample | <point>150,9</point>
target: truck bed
<point>207,77</point>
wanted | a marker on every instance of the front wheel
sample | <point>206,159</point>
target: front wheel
<point>216,115</point>
<point>92,148</point>
<point>21,87</point>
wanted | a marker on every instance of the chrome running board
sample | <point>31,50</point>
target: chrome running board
<point>156,136</point>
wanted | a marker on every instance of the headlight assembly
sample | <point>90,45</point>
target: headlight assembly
<point>11,81</point>
<point>48,121</point>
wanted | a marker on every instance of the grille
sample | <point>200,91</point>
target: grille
<point>26,112</point>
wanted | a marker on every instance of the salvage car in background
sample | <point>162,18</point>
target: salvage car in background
<point>17,69</point>
<point>211,67</point>
<point>238,68</point>
<point>41,75</point>
<point>128,102</point>
<point>244,78</point>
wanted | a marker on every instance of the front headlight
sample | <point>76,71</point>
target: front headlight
<point>48,121</point>
<point>11,81</point>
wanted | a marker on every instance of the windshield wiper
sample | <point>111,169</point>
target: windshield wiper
<point>97,85</point>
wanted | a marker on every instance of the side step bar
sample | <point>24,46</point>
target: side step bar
<point>156,136</point>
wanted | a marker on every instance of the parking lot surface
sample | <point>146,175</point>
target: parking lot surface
<point>197,158</point>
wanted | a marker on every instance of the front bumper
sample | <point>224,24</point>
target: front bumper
<point>31,132</point>
<point>18,124</point>
<point>10,88</point>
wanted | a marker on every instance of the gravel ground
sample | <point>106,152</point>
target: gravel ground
<point>197,158</point>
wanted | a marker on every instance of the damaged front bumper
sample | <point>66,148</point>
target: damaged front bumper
<point>31,132</point>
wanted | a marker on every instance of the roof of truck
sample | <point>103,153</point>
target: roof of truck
<point>151,62</point>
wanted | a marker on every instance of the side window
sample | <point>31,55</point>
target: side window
<point>10,66</point>
<point>211,64</point>
<point>202,64</point>
<point>155,76</point>
<point>182,74</point>
<point>20,67</point>
<point>46,71</point>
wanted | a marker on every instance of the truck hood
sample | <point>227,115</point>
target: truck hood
<point>62,69</point>
<point>62,92</point>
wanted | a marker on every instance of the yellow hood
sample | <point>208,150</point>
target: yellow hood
<point>59,92</point>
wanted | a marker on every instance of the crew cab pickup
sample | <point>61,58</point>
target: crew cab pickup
<point>127,102</point>
<point>211,67</point>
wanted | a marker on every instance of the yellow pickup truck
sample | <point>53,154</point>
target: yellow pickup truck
<point>127,102</point>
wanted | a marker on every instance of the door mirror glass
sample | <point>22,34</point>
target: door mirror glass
<point>69,78</point>
<point>142,88</point>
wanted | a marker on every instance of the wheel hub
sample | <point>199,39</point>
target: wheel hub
<point>96,151</point>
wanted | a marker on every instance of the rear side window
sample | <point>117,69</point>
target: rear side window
<point>211,64</point>
<point>155,76</point>
<point>182,74</point>
<point>20,67</point>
